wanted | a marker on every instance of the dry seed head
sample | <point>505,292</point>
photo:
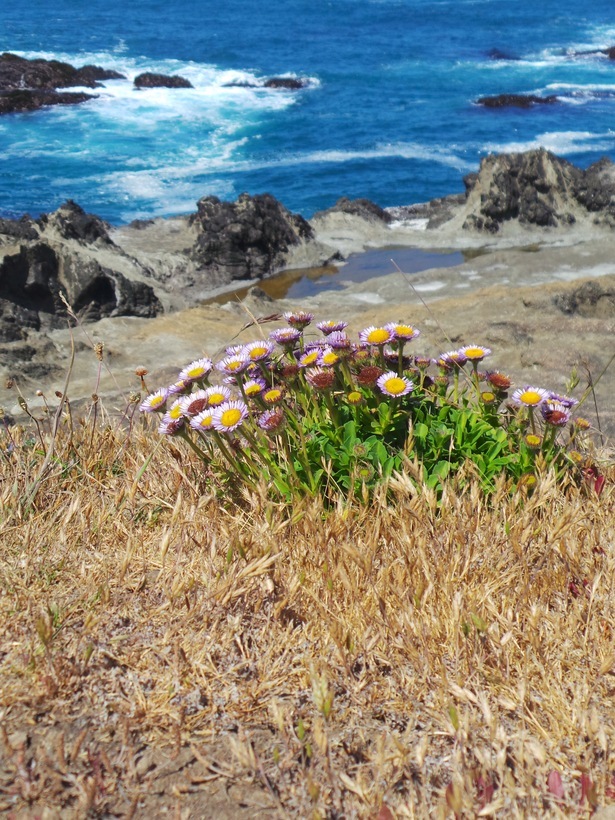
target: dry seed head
<point>98,350</point>
<point>141,372</point>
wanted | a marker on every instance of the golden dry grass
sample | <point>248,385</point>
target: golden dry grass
<point>164,652</point>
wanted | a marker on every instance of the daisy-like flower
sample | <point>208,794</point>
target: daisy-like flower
<point>273,395</point>
<point>311,358</point>
<point>203,421</point>
<point>298,318</point>
<point>475,353</point>
<point>232,365</point>
<point>254,387</point>
<point>285,336</point>
<point>196,370</point>
<point>289,371</point>
<point>217,395</point>
<point>555,413</point>
<point>229,416</point>
<point>368,376</point>
<point>271,421</point>
<point>175,411</point>
<point>155,402</point>
<point>257,351</point>
<point>422,362</point>
<point>402,332</point>
<point>179,387</point>
<point>487,397</point>
<point>331,327</point>
<point>170,427</point>
<point>233,350</point>
<point>329,357</point>
<point>451,358</point>
<point>533,441</point>
<point>354,397</point>
<point>320,378</point>
<point>582,423</point>
<point>529,396</point>
<point>194,403</point>
<point>376,335</point>
<point>393,385</point>
<point>567,401</point>
<point>498,380</point>
<point>339,341</point>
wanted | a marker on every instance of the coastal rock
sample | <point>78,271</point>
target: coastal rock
<point>70,221</point>
<point>12,229</point>
<point>364,208</point>
<point>246,239</point>
<point>151,80</point>
<point>537,188</point>
<point>283,83</point>
<point>498,54</point>
<point>18,73</point>
<point>590,300</point>
<point>516,100</point>
<point>286,83</point>
<point>15,102</point>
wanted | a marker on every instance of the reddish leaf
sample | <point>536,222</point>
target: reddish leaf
<point>485,789</point>
<point>555,785</point>
<point>587,789</point>
<point>599,484</point>
<point>385,813</point>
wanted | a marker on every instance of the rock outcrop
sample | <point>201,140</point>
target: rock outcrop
<point>151,80</point>
<point>246,239</point>
<point>65,254</point>
<point>282,83</point>
<point>537,188</point>
<point>515,100</point>
<point>27,85</point>
<point>364,208</point>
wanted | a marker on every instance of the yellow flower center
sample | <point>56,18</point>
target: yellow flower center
<point>379,336</point>
<point>272,395</point>
<point>216,398</point>
<point>258,351</point>
<point>474,352</point>
<point>175,411</point>
<point>404,330</point>
<point>310,358</point>
<point>157,401</point>
<point>253,390</point>
<point>206,421</point>
<point>395,385</point>
<point>530,397</point>
<point>196,372</point>
<point>230,417</point>
<point>234,365</point>
<point>487,397</point>
<point>330,358</point>
<point>354,397</point>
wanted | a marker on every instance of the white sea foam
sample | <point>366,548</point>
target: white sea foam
<point>558,142</point>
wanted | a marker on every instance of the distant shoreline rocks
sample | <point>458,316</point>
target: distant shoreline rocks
<point>151,80</point>
<point>515,100</point>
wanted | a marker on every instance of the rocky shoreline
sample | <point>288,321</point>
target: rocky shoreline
<point>531,226</point>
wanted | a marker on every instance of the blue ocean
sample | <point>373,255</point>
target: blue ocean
<point>388,112</point>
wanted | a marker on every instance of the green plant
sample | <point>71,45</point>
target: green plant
<point>329,415</point>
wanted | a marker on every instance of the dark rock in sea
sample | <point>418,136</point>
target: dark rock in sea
<point>150,80</point>
<point>246,239</point>
<point>14,102</point>
<point>72,222</point>
<point>516,100</point>
<point>283,83</point>
<point>287,83</point>
<point>364,208</point>
<point>537,188</point>
<point>591,300</point>
<point>497,54</point>
<point>17,73</point>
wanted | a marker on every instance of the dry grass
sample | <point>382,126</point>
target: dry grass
<point>162,652</point>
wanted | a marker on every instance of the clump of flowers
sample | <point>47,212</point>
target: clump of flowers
<point>324,413</point>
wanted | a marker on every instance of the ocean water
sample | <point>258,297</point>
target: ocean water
<point>388,113</point>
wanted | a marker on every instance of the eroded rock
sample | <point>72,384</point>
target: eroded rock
<point>150,80</point>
